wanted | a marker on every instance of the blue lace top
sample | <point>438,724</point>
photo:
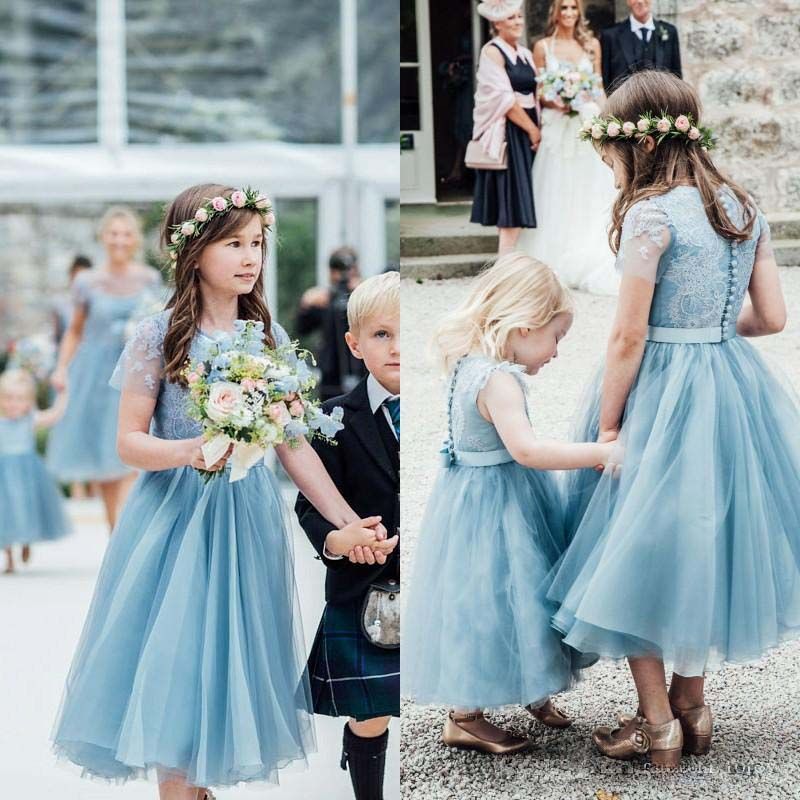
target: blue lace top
<point>140,370</point>
<point>17,435</point>
<point>470,431</point>
<point>701,278</point>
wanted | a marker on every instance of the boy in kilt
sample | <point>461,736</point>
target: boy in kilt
<point>350,675</point>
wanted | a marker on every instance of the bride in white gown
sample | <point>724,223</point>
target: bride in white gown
<point>573,190</point>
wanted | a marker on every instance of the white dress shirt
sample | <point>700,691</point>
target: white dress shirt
<point>639,27</point>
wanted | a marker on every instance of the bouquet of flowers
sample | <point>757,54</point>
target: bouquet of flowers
<point>574,87</point>
<point>253,397</point>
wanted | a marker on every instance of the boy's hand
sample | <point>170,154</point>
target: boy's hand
<point>376,553</point>
<point>359,533</point>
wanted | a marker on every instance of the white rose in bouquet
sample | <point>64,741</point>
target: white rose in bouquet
<point>225,401</point>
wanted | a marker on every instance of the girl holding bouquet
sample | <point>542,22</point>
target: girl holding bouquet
<point>572,192</point>
<point>191,664</point>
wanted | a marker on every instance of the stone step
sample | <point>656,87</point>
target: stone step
<point>443,229</point>
<point>784,226</point>
<point>787,252</point>
<point>449,245</point>
<point>442,267</point>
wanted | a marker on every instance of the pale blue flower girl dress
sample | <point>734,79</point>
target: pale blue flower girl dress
<point>83,445</point>
<point>477,628</point>
<point>31,506</point>
<point>191,660</point>
<point>693,553</point>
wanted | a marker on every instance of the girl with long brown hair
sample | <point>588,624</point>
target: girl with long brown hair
<point>571,189</point>
<point>191,664</point>
<point>692,556</point>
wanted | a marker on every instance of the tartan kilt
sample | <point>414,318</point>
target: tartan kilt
<point>350,676</point>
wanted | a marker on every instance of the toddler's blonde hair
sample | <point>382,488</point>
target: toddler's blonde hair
<point>375,295</point>
<point>18,379</point>
<point>517,291</point>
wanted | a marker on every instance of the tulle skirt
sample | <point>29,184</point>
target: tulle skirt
<point>476,632</point>
<point>31,505</point>
<point>191,660</point>
<point>83,445</point>
<point>573,192</point>
<point>693,553</point>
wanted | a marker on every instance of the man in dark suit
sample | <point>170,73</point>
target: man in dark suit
<point>350,675</point>
<point>639,42</point>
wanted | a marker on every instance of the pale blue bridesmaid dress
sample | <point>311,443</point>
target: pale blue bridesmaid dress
<point>191,660</point>
<point>693,553</point>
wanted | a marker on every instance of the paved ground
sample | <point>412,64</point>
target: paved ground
<point>41,613</point>
<point>756,749</point>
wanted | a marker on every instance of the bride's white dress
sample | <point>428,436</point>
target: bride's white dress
<point>573,193</point>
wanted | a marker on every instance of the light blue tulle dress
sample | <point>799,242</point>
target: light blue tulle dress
<point>83,445</point>
<point>693,553</point>
<point>191,660</point>
<point>477,628</point>
<point>31,506</point>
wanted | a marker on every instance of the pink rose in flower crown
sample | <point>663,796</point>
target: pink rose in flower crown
<point>219,203</point>
<point>628,128</point>
<point>174,238</point>
<point>269,219</point>
<point>201,215</point>
<point>642,125</point>
<point>239,198</point>
<point>278,413</point>
<point>187,229</point>
<point>296,408</point>
<point>262,201</point>
<point>663,125</point>
<point>613,129</point>
<point>694,134</point>
<point>597,131</point>
<point>682,123</point>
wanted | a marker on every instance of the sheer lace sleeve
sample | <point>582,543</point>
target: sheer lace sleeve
<point>279,335</point>
<point>764,251</point>
<point>517,370</point>
<point>81,289</point>
<point>645,238</point>
<point>141,365</point>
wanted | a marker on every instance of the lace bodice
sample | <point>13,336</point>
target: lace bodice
<point>552,63</point>
<point>140,370</point>
<point>470,431</point>
<point>17,435</point>
<point>701,278</point>
<point>110,300</point>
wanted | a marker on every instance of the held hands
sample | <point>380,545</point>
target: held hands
<point>363,541</point>
<point>610,452</point>
<point>58,379</point>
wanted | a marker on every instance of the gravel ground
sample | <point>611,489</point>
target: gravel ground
<point>756,750</point>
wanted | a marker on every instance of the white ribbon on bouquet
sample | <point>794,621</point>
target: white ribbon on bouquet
<point>244,455</point>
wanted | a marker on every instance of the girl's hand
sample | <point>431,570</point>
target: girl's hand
<point>536,137</point>
<point>59,379</point>
<point>359,533</point>
<point>197,460</point>
<point>610,455</point>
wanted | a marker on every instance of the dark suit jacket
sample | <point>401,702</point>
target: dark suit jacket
<point>365,466</point>
<point>620,46</point>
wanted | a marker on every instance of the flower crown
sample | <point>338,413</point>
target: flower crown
<point>240,198</point>
<point>603,129</point>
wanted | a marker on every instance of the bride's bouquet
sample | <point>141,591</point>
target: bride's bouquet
<point>253,397</point>
<point>574,87</point>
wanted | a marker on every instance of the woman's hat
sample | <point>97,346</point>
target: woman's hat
<point>496,10</point>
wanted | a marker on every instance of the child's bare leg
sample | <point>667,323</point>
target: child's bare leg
<point>9,561</point>
<point>686,693</point>
<point>26,553</point>
<point>172,787</point>
<point>651,685</point>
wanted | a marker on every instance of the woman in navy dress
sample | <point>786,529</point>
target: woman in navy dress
<point>506,114</point>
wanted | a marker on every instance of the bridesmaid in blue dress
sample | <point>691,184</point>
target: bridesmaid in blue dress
<point>191,665</point>
<point>83,446</point>
<point>477,629</point>
<point>31,503</point>
<point>691,556</point>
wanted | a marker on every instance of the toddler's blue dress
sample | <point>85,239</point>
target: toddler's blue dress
<point>476,632</point>
<point>693,553</point>
<point>31,506</point>
<point>191,660</point>
<point>83,445</point>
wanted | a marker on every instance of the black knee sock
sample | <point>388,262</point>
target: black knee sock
<point>366,758</point>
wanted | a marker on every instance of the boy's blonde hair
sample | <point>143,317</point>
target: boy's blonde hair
<point>18,379</point>
<point>380,293</point>
<point>517,291</point>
